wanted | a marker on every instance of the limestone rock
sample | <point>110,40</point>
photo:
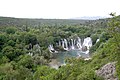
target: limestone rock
<point>107,71</point>
<point>84,48</point>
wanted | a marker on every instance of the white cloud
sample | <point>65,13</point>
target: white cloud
<point>58,8</point>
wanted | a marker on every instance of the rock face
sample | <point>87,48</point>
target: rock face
<point>84,48</point>
<point>107,71</point>
<point>54,64</point>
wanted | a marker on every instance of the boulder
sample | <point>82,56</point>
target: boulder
<point>84,48</point>
<point>107,71</point>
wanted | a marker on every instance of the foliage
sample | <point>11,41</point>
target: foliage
<point>114,30</point>
<point>43,73</point>
<point>24,53</point>
<point>10,30</point>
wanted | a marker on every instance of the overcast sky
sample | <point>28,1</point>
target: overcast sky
<point>58,8</point>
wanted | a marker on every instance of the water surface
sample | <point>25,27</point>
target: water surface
<point>60,57</point>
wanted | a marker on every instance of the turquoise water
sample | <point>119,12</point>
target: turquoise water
<point>60,57</point>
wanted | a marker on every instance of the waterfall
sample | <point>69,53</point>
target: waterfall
<point>63,44</point>
<point>97,40</point>
<point>59,43</point>
<point>72,46</point>
<point>69,44</point>
<point>66,45</point>
<point>79,43</point>
<point>87,42</point>
<point>31,54</point>
<point>74,41</point>
<point>51,49</point>
<point>87,52</point>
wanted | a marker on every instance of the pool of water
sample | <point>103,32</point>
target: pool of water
<point>60,57</point>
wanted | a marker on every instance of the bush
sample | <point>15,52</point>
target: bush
<point>11,30</point>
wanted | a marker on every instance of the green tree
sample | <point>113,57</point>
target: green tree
<point>9,52</point>
<point>43,73</point>
<point>26,61</point>
<point>114,30</point>
<point>3,40</point>
<point>11,30</point>
<point>11,43</point>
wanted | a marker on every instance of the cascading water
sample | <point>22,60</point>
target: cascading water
<point>63,44</point>
<point>59,43</point>
<point>74,44</point>
<point>66,45</point>
<point>87,42</point>
<point>74,41</point>
<point>73,47</point>
<point>79,45</point>
<point>51,49</point>
<point>97,40</point>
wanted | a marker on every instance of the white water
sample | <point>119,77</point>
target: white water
<point>97,40</point>
<point>73,44</point>
<point>51,49</point>
<point>73,47</point>
<point>79,45</point>
<point>66,45</point>
<point>87,42</point>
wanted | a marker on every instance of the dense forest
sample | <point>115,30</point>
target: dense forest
<point>24,53</point>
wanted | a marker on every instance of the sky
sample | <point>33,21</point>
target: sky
<point>58,9</point>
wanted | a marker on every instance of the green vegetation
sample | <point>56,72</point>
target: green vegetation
<point>115,33</point>
<point>24,53</point>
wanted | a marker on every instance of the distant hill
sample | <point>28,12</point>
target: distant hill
<point>90,18</point>
<point>19,22</point>
<point>10,21</point>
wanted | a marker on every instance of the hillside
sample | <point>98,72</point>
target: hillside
<point>25,46</point>
<point>9,21</point>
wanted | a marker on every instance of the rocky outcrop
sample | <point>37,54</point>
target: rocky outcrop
<point>107,71</point>
<point>84,48</point>
<point>54,64</point>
